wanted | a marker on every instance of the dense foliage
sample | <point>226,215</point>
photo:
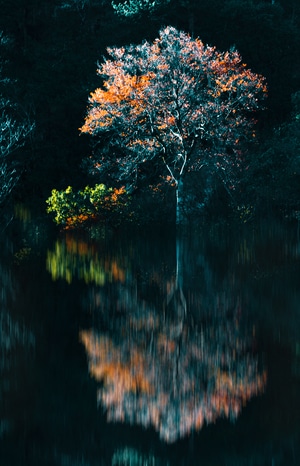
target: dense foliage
<point>99,203</point>
<point>178,101</point>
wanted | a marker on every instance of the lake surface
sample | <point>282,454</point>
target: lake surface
<point>147,348</point>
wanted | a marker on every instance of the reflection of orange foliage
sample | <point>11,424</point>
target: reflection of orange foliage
<point>145,323</point>
<point>174,384</point>
<point>78,246</point>
<point>121,376</point>
<point>106,365</point>
<point>84,255</point>
<point>117,273</point>
<point>243,388</point>
<point>165,344</point>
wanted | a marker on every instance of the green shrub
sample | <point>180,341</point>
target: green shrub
<point>72,209</point>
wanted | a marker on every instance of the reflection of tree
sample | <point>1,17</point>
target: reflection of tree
<point>132,457</point>
<point>164,372</point>
<point>12,333</point>
<point>13,336</point>
<point>75,258</point>
<point>164,358</point>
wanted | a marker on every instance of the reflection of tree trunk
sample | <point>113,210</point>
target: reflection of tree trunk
<point>175,298</point>
<point>179,202</point>
<point>176,308</point>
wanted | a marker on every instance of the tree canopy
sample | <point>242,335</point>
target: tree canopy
<point>174,102</point>
<point>136,7</point>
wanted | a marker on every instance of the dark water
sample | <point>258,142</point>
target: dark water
<point>140,348</point>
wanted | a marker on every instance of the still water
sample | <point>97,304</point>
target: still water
<point>149,348</point>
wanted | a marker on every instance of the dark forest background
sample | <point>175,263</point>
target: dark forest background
<point>51,59</point>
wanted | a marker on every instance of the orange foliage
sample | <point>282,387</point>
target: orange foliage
<point>164,98</point>
<point>117,192</point>
<point>76,220</point>
<point>106,104</point>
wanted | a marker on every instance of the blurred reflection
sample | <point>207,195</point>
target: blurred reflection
<point>165,358</point>
<point>14,336</point>
<point>170,374</point>
<point>75,258</point>
<point>133,457</point>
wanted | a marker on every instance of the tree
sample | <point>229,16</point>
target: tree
<point>174,102</point>
<point>275,171</point>
<point>12,137</point>
<point>13,134</point>
<point>136,7</point>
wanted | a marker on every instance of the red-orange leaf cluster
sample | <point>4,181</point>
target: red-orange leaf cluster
<point>177,100</point>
